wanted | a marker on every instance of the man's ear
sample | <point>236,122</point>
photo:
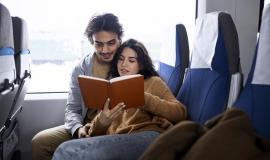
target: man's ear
<point>120,42</point>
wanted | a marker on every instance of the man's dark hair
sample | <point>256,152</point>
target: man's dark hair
<point>104,22</point>
<point>146,67</point>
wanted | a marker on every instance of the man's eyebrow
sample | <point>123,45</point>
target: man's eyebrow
<point>112,40</point>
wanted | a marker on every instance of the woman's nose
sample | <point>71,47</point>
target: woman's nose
<point>124,63</point>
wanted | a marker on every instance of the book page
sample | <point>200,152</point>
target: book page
<point>94,78</point>
<point>124,77</point>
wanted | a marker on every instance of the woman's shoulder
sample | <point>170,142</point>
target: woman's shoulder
<point>156,86</point>
<point>154,79</point>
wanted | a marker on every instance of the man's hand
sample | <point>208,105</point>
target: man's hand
<point>82,131</point>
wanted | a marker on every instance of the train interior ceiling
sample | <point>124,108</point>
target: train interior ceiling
<point>42,40</point>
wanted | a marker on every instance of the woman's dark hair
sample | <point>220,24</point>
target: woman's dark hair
<point>104,22</point>
<point>146,67</point>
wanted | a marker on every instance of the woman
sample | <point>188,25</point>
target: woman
<point>141,125</point>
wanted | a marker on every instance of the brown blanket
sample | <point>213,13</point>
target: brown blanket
<point>228,136</point>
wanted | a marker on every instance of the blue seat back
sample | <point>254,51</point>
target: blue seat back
<point>215,57</point>
<point>21,47</point>
<point>255,97</point>
<point>7,65</point>
<point>173,75</point>
<point>22,62</point>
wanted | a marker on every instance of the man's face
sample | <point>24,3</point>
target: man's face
<point>106,44</point>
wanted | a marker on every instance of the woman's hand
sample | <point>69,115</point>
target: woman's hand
<point>106,116</point>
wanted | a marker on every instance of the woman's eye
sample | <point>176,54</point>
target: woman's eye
<point>121,59</point>
<point>132,60</point>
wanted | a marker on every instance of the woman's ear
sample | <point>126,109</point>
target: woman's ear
<point>141,66</point>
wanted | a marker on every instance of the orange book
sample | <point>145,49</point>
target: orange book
<point>128,89</point>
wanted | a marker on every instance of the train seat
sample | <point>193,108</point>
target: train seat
<point>8,86</point>
<point>173,75</point>
<point>22,62</point>
<point>214,59</point>
<point>255,97</point>
<point>7,65</point>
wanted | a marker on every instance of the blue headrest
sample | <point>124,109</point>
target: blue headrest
<point>181,46</point>
<point>182,59</point>
<point>173,75</point>
<point>255,98</point>
<point>22,57</point>
<point>20,33</point>
<point>209,48</point>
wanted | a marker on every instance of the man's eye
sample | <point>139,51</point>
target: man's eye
<point>99,44</point>
<point>111,43</point>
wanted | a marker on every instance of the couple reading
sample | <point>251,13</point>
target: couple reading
<point>120,132</point>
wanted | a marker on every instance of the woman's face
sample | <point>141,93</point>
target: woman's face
<point>127,63</point>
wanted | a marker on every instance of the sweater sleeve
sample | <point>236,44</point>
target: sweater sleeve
<point>160,101</point>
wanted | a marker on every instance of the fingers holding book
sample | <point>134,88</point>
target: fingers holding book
<point>107,116</point>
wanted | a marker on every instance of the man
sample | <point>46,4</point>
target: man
<point>105,33</point>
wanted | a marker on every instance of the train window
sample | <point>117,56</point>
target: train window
<point>266,2</point>
<point>56,31</point>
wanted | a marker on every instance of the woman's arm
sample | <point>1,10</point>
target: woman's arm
<point>160,101</point>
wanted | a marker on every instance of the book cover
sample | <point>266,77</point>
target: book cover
<point>128,89</point>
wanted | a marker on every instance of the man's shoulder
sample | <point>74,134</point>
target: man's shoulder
<point>84,65</point>
<point>86,60</point>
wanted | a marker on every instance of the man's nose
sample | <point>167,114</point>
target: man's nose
<point>105,48</point>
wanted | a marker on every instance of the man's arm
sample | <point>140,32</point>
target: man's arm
<point>73,112</point>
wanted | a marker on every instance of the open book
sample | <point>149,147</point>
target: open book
<point>128,89</point>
